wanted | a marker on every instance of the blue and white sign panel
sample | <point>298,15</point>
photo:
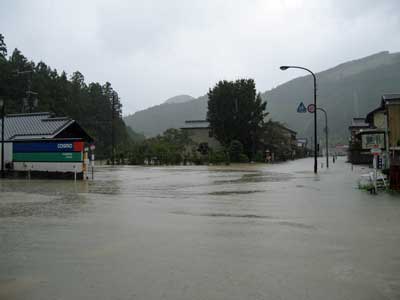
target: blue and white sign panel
<point>47,147</point>
<point>301,108</point>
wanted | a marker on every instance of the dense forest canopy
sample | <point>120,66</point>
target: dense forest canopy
<point>93,105</point>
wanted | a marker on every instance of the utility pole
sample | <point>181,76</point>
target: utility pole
<point>31,97</point>
<point>326,136</point>
<point>112,129</point>
<point>3,110</point>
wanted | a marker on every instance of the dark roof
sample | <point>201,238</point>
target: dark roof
<point>285,128</point>
<point>34,126</point>
<point>358,123</point>
<point>388,97</point>
<point>370,131</point>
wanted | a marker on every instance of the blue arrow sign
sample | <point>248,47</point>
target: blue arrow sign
<point>301,108</point>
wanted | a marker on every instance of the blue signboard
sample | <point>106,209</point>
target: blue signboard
<point>47,147</point>
<point>301,108</point>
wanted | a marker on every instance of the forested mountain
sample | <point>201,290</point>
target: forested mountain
<point>348,90</point>
<point>157,119</point>
<point>179,99</point>
<point>91,104</point>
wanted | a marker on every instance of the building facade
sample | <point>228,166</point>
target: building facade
<point>42,144</point>
<point>200,133</point>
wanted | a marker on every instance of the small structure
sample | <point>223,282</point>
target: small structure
<point>302,143</point>
<point>302,150</point>
<point>341,149</point>
<point>200,133</point>
<point>43,145</point>
<point>356,154</point>
<point>357,124</point>
<point>291,136</point>
<point>391,103</point>
<point>281,149</point>
<point>380,130</point>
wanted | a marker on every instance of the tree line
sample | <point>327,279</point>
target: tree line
<point>236,114</point>
<point>93,105</point>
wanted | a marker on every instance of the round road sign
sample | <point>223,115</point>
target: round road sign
<point>311,108</point>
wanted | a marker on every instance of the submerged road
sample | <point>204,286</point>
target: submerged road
<point>229,232</point>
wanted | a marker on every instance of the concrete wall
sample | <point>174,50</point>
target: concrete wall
<point>49,166</point>
<point>201,135</point>
<point>8,155</point>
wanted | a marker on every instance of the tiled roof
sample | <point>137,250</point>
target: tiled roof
<point>33,126</point>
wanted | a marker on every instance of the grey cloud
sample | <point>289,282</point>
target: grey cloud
<point>152,50</point>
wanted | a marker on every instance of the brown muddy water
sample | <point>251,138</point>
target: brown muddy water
<point>198,232</point>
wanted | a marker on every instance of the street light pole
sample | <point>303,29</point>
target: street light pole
<point>326,136</point>
<point>283,68</point>
<point>112,130</point>
<point>2,104</point>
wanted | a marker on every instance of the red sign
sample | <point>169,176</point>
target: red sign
<point>78,146</point>
<point>311,108</point>
<point>376,151</point>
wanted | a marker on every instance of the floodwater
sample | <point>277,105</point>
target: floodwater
<point>198,232</point>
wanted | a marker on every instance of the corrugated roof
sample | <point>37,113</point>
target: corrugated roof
<point>33,126</point>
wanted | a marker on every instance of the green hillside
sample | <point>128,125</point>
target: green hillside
<point>348,90</point>
<point>155,120</point>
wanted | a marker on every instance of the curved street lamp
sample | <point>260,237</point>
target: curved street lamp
<point>284,68</point>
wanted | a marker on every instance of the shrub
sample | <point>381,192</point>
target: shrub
<point>235,151</point>
<point>243,158</point>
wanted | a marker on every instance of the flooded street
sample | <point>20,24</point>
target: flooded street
<point>199,232</point>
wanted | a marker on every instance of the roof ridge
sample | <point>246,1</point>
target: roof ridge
<point>28,114</point>
<point>56,119</point>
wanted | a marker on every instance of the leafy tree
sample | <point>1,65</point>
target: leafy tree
<point>3,48</point>
<point>168,148</point>
<point>235,151</point>
<point>236,112</point>
<point>135,137</point>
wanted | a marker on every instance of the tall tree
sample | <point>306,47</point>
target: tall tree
<point>3,48</point>
<point>236,112</point>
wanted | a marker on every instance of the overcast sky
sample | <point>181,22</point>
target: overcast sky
<point>153,50</point>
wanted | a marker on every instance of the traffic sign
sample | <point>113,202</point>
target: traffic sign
<point>311,108</point>
<point>301,108</point>
<point>376,151</point>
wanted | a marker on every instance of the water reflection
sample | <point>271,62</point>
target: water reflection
<point>28,206</point>
<point>198,232</point>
